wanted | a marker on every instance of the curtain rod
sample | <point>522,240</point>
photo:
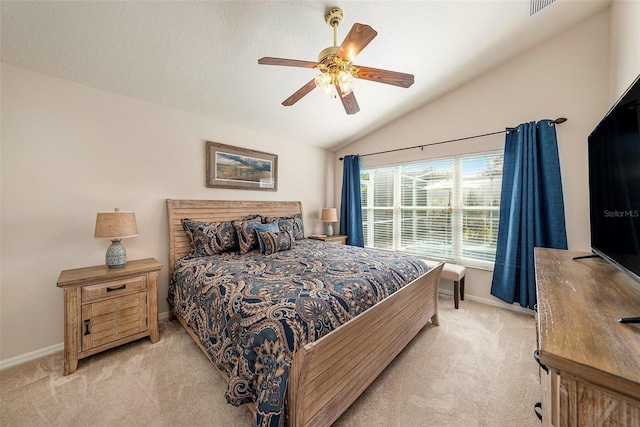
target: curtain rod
<point>421,146</point>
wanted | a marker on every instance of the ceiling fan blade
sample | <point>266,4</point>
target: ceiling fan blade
<point>349,101</point>
<point>385,76</point>
<point>287,62</point>
<point>299,94</point>
<point>359,36</point>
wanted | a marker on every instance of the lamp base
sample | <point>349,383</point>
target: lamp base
<point>329,229</point>
<point>116,255</point>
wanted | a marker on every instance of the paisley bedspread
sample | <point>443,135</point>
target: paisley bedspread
<point>252,312</point>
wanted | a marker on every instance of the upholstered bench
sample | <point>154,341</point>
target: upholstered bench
<point>454,273</point>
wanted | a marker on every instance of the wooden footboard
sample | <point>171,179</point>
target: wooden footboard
<point>329,374</point>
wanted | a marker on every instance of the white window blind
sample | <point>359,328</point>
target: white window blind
<point>443,209</point>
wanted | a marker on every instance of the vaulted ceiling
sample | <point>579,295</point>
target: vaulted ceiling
<point>202,57</point>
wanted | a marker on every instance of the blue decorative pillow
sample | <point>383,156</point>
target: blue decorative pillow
<point>277,242</point>
<point>210,238</point>
<point>298,223</point>
<point>247,237</point>
<point>272,227</point>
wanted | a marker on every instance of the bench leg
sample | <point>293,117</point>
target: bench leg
<point>456,291</point>
<point>462,289</point>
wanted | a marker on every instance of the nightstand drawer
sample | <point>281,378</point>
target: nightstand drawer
<point>113,288</point>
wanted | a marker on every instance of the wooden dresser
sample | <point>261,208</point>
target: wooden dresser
<point>105,307</point>
<point>593,361</point>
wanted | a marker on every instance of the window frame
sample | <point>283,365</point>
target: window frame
<point>456,208</point>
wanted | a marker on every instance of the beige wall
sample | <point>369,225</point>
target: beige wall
<point>624,47</point>
<point>69,151</point>
<point>567,76</point>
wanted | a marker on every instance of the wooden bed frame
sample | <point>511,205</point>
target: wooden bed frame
<point>327,375</point>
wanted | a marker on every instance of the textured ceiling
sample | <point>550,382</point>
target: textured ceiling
<point>201,57</point>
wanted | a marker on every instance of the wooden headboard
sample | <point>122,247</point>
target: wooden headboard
<point>215,210</point>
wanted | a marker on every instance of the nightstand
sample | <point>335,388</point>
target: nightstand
<point>340,239</point>
<point>106,307</point>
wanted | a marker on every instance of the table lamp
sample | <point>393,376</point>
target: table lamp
<point>116,226</point>
<point>329,215</point>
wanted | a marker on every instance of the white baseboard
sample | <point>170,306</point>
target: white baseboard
<point>23,358</point>
<point>17,360</point>
<point>499,304</point>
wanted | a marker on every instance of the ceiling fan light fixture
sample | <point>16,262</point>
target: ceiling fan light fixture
<point>324,84</point>
<point>327,81</point>
<point>345,81</point>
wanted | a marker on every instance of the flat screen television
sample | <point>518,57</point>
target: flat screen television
<point>614,184</point>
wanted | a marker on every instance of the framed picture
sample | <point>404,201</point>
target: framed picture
<point>240,168</point>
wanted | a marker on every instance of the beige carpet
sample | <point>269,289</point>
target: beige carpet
<point>475,369</point>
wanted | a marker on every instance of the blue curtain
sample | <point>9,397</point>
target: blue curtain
<point>531,210</point>
<point>351,206</point>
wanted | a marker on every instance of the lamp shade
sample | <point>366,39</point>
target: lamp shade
<point>329,215</point>
<point>116,225</point>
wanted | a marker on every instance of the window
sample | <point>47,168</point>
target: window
<point>445,208</point>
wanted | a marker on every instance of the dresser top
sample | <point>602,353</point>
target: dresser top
<point>100,273</point>
<point>579,304</point>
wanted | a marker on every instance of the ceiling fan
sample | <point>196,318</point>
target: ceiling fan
<point>335,64</point>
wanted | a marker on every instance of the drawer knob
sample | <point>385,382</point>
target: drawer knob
<point>86,326</point>
<point>117,289</point>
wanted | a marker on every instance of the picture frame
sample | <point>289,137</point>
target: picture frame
<point>240,168</point>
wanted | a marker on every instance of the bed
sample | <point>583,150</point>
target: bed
<point>325,376</point>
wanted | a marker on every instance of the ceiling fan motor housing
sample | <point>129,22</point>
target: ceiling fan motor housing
<point>328,62</point>
<point>328,53</point>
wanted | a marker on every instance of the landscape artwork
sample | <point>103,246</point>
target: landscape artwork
<point>240,168</point>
